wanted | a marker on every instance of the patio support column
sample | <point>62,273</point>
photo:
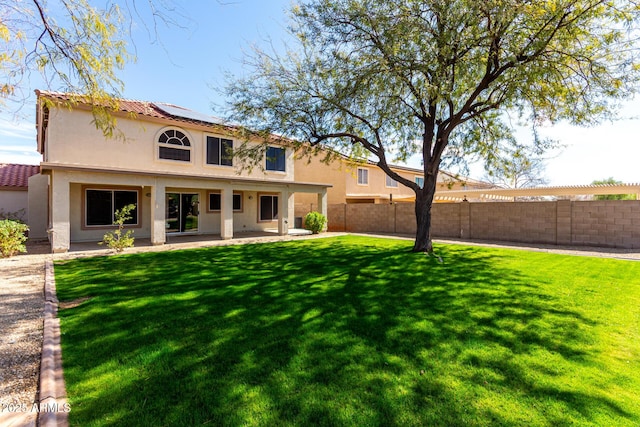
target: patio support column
<point>285,201</point>
<point>158,214</point>
<point>323,206</point>
<point>226,213</point>
<point>60,231</point>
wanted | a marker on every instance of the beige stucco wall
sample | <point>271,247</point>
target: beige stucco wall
<point>38,218</point>
<point>73,140</point>
<point>80,233</point>
<point>14,202</point>
<point>377,184</point>
<point>312,169</point>
<point>342,175</point>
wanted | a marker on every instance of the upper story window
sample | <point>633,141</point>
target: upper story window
<point>276,159</point>
<point>174,145</point>
<point>420,181</point>
<point>219,151</point>
<point>391,183</point>
<point>363,176</point>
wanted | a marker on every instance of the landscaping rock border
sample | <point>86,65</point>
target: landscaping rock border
<point>53,409</point>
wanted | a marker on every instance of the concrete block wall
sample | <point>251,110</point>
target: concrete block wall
<point>337,217</point>
<point>606,223</point>
<point>514,221</point>
<point>610,223</point>
<point>371,218</point>
<point>405,218</point>
<point>446,220</point>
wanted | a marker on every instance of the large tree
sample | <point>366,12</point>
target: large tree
<point>440,78</point>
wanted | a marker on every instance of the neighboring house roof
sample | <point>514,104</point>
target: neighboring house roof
<point>16,177</point>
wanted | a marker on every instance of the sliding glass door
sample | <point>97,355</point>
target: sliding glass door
<point>181,212</point>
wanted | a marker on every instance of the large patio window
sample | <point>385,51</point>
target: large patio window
<point>101,206</point>
<point>268,207</point>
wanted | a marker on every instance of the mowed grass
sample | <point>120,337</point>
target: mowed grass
<point>351,331</point>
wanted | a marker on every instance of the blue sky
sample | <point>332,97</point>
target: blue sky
<point>186,64</point>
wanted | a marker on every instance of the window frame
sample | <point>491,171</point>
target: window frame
<point>113,190</point>
<point>239,194</point>
<point>389,182</point>
<point>178,147</point>
<point>220,154</point>
<point>359,169</point>
<point>277,201</point>
<point>283,150</point>
<point>416,178</point>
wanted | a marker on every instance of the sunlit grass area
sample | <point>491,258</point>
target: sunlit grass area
<point>351,331</point>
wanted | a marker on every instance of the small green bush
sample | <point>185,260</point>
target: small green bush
<point>315,222</point>
<point>12,237</point>
<point>117,240</point>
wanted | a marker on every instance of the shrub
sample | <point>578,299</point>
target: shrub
<point>117,240</point>
<point>315,222</point>
<point>12,237</point>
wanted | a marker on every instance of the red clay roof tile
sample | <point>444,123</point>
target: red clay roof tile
<point>16,176</point>
<point>150,109</point>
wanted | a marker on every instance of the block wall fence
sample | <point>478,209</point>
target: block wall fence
<point>607,223</point>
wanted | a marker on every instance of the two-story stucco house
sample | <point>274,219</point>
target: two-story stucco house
<point>173,164</point>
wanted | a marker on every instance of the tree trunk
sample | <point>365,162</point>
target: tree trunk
<point>424,200</point>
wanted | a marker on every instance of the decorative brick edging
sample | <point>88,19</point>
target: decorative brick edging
<point>53,408</point>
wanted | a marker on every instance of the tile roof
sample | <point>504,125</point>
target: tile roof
<point>150,109</point>
<point>16,176</point>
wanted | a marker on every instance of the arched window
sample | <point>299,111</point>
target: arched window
<point>174,145</point>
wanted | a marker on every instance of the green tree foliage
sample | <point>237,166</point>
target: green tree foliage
<point>77,45</point>
<point>611,181</point>
<point>388,79</point>
<point>74,45</point>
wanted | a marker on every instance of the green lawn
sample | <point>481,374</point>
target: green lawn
<point>351,331</point>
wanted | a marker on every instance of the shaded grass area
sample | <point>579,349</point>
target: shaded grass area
<point>351,331</point>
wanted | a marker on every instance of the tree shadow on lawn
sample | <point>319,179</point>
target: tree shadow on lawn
<point>334,332</point>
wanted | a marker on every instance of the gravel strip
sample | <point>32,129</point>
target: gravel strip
<point>21,323</point>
